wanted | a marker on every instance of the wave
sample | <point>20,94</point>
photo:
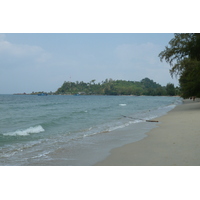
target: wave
<point>106,128</point>
<point>25,132</point>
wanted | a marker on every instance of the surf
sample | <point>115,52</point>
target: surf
<point>25,132</point>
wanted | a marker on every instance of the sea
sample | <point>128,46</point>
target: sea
<point>67,130</point>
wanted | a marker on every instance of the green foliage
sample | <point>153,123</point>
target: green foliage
<point>114,87</point>
<point>183,55</point>
<point>170,89</point>
<point>189,79</point>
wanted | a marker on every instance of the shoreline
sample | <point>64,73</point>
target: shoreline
<point>174,142</point>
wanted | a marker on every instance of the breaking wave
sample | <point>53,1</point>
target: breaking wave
<point>25,132</point>
<point>122,104</point>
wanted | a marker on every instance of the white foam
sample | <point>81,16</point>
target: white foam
<point>171,106</point>
<point>122,104</point>
<point>117,127</point>
<point>42,155</point>
<point>25,132</point>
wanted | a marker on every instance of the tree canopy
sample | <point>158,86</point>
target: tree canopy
<point>183,55</point>
<point>117,87</point>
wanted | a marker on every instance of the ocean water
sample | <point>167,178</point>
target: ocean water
<point>73,130</point>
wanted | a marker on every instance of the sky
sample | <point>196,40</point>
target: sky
<point>42,45</point>
<point>43,61</point>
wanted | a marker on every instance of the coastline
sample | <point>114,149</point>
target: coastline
<point>174,142</point>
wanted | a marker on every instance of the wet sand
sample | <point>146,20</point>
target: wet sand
<point>175,142</point>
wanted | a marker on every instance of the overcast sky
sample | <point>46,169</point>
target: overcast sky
<point>42,62</point>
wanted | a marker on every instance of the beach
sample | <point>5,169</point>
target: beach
<point>174,142</point>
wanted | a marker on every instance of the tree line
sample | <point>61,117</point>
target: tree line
<point>118,87</point>
<point>183,55</point>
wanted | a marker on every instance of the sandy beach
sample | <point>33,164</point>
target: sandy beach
<point>174,142</point>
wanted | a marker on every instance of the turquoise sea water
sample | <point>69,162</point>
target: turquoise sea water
<point>73,130</point>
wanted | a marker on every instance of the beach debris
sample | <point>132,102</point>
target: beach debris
<point>151,121</point>
<point>140,119</point>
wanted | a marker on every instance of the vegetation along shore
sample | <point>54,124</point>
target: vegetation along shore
<point>115,87</point>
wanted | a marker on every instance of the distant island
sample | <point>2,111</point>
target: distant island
<point>114,87</point>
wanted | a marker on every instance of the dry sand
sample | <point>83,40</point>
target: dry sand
<point>175,142</point>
